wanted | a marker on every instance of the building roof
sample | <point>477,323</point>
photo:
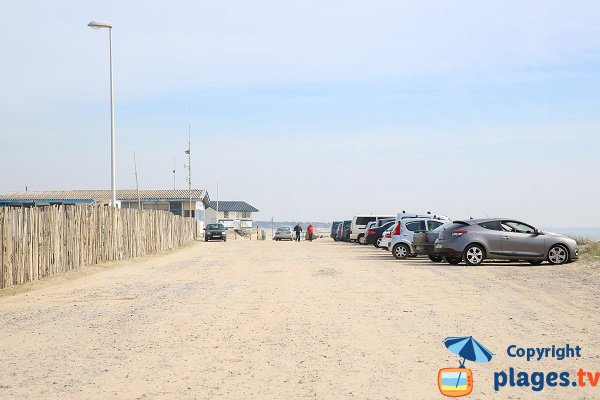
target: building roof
<point>239,206</point>
<point>98,195</point>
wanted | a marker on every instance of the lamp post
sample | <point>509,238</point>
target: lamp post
<point>108,25</point>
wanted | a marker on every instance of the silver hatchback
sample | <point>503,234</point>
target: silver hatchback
<point>475,240</point>
<point>283,233</point>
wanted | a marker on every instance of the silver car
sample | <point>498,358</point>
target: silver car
<point>283,233</point>
<point>475,240</point>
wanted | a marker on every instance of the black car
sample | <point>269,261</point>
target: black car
<point>374,234</point>
<point>346,231</point>
<point>215,232</point>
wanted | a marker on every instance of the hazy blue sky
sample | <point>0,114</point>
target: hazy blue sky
<point>314,110</point>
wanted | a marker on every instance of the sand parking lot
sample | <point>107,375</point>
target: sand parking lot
<point>280,320</point>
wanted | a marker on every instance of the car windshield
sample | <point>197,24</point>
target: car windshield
<point>214,227</point>
<point>284,228</point>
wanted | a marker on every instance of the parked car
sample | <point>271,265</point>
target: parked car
<point>334,227</point>
<point>358,230</point>
<point>401,243</point>
<point>339,232</point>
<point>214,232</point>
<point>283,233</point>
<point>386,237</point>
<point>375,233</point>
<point>346,231</point>
<point>475,240</point>
<point>424,243</point>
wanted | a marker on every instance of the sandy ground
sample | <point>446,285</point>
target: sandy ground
<point>281,320</point>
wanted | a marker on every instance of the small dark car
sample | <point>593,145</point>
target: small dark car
<point>346,231</point>
<point>374,234</point>
<point>215,232</point>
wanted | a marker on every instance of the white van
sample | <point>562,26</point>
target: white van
<point>358,229</point>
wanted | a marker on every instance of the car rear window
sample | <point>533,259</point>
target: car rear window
<point>455,225</point>
<point>493,225</point>
<point>415,226</point>
<point>284,228</point>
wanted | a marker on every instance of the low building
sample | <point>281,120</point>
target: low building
<point>176,201</point>
<point>232,214</point>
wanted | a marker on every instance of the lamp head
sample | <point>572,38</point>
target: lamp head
<point>100,25</point>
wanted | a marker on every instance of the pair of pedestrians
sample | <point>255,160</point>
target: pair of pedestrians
<point>310,232</point>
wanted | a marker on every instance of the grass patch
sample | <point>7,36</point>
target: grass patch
<point>590,250</point>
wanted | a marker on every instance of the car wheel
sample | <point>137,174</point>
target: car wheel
<point>225,239</point>
<point>378,243</point>
<point>453,260</point>
<point>558,254</point>
<point>474,254</point>
<point>436,259</point>
<point>400,251</point>
<point>205,239</point>
<point>362,239</point>
<point>535,262</point>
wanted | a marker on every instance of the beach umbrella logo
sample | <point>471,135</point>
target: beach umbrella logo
<point>458,382</point>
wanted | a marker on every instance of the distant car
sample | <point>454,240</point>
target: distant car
<point>334,227</point>
<point>359,223</point>
<point>401,243</point>
<point>475,240</point>
<point>283,233</point>
<point>346,231</point>
<point>339,232</point>
<point>375,233</point>
<point>215,232</point>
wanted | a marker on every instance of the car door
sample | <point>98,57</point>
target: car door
<point>411,228</point>
<point>519,239</point>
<point>491,235</point>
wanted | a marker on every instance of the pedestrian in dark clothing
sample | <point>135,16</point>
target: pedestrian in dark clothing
<point>298,230</point>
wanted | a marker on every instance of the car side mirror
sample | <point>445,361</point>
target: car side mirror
<point>538,232</point>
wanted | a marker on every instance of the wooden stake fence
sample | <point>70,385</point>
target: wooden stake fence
<point>37,242</point>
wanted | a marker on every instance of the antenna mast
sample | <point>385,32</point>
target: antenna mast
<point>189,153</point>
<point>137,186</point>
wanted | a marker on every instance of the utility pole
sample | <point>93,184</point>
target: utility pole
<point>189,166</point>
<point>217,202</point>
<point>137,185</point>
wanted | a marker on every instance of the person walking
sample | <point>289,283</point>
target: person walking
<point>298,230</point>
<point>310,231</point>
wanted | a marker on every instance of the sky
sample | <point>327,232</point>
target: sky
<point>313,110</point>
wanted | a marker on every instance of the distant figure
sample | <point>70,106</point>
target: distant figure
<point>310,231</point>
<point>298,230</point>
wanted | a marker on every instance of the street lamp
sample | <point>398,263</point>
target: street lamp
<point>108,25</point>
